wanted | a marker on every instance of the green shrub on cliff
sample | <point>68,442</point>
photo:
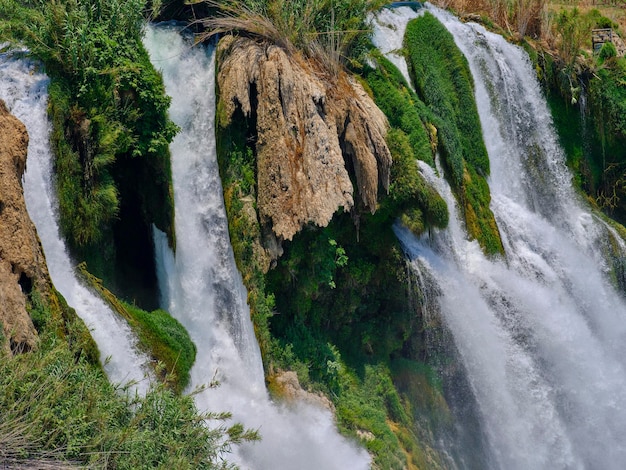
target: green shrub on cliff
<point>107,103</point>
<point>110,130</point>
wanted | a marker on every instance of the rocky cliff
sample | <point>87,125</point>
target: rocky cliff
<point>22,263</point>
<point>315,131</point>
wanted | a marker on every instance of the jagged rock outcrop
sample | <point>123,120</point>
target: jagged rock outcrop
<point>307,123</point>
<point>22,263</point>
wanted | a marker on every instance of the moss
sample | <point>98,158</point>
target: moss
<point>401,106</point>
<point>159,334</point>
<point>479,219</point>
<point>444,82</point>
<point>168,342</point>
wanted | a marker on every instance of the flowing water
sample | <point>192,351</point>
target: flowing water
<point>542,333</point>
<point>201,286</point>
<point>24,88</point>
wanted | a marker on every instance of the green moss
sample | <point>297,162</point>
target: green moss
<point>479,220</point>
<point>401,106</point>
<point>444,82</point>
<point>159,334</point>
<point>168,342</point>
<point>442,77</point>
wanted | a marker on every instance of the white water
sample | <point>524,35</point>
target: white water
<point>203,289</point>
<point>542,334</point>
<point>24,89</point>
<point>388,35</point>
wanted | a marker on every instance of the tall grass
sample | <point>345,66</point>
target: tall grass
<point>330,31</point>
<point>56,402</point>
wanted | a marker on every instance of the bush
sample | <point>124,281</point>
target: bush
<point>107,104</point>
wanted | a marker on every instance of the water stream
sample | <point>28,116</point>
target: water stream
<point>24,88</point>
<point>201,286</point>
<point>541,333</point>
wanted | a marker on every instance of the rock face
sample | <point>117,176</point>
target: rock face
<point>22,263</point>
<point>311,129</point>
<point>288,387</point>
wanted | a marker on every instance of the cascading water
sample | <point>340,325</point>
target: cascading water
<point>202,288</point>
<point>24,89</point>
<point>542,333</point>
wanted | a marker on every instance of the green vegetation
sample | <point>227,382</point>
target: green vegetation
<point>594,138</point>
<point>443,81</point>
<point>56,402</point>
<point>331,32</point>
<point>410,197</point>
<point>159,334</point>
<point>335,306</point>
<point>110,126</point>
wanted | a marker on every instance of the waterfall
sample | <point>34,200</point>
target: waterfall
<point>202,288</point>
<point>541,333</point>
<point>24,89</point>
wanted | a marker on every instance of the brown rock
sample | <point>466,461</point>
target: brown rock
<point>287,386</point>
<point>304,118</point>
<point>22,264</point>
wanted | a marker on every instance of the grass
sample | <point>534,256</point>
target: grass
<point>331,33</point>
<point>57,403</point>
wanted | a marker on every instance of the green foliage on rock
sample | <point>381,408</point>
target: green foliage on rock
<point>401,105</point>
<point>110,129</point>
<point>168,342</point>
<point>410,196</point>
<point>56,402</point>
<point>594,135</point>
<point>444,82</point>
<point>159,334</point>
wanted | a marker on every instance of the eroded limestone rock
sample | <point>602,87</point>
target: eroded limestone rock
<point>287,386</point>
<point>22,263</point>
<point>307,123</point>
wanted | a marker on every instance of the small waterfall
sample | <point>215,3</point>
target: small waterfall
<point>388,35</point>
<point>202,288</point>
<point>24,89</point>
<point>542,333</point>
